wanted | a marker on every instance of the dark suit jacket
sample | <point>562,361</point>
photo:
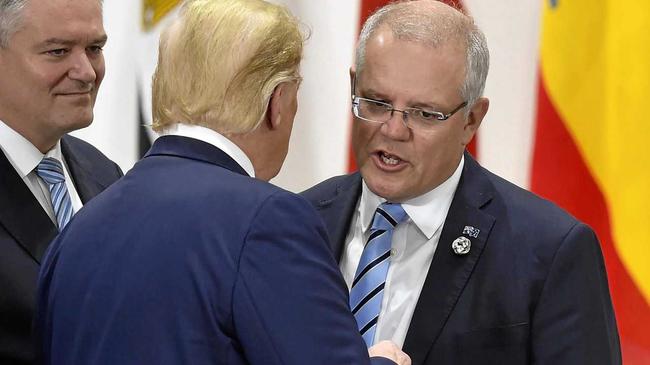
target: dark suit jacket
<point>25,232</point>
<point>532,290</point>
<point>188,260</point>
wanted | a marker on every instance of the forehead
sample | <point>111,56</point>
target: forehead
<point>413,70</point>
<point>66,19</point>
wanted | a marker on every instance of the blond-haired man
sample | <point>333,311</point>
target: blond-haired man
<point>193,258</point>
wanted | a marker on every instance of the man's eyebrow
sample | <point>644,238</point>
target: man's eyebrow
<point>372,94</point>
<point>102,39</point>
<point>51,41</point>
<point>428,106</point>
<point>67,42</point>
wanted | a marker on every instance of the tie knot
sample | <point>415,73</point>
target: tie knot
<point>387,216</point>
<point>50,170</point>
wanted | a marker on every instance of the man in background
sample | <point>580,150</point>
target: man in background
<point>51,66</point>
<point>441,256</point>
<point>193,257</point>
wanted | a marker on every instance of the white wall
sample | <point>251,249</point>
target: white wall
<point>318,147</point>
<point>114,129</point>
<point>506,134</point>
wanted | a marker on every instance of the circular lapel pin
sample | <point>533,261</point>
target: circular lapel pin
<point>461,245</point>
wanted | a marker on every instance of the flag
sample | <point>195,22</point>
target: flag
<point>153,11</point>
<point>591,154</point>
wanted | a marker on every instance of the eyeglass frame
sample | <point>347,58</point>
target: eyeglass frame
<point>439,116</point>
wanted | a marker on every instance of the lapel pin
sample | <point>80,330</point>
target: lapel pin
<point>471,231</point>
<point>461,246</point>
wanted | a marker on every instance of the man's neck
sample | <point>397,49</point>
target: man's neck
<point>43,140</point>
<point>258,151</point>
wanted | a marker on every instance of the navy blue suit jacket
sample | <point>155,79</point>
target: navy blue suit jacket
<point>188,260</point>
<point>532,290</point>
<point>25,232</point>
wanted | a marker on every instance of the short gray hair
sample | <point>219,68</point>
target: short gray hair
<point>11,12</point>
<point>430,27</point>
<point>10,16</point>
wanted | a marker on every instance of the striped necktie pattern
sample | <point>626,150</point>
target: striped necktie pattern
<point>51,171</point>
<point>368,285</point>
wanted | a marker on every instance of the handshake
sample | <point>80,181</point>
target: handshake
<point>389,350</point>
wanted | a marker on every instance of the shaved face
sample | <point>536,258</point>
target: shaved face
<point>396,162</point>
<point>51,69</point>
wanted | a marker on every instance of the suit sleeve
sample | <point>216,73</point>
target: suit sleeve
<point>289,300</point>
<point>574,321</point>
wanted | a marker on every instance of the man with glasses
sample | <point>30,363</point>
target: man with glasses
<point>441,256</point>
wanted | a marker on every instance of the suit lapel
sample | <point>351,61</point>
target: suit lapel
<point>81,170</point>
<point>449,272</point>
<point>338,211</point>
<point>21,214</point>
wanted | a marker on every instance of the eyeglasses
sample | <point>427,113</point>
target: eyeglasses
<point>372,110</point>
<point>379,112</point>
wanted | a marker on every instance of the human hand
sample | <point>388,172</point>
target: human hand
<point>389,350</point>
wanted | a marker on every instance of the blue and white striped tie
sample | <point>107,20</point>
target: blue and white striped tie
<point>368,286</point>
<point>51,171</point>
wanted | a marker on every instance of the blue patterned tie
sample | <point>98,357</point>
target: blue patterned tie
<point>368,286</point>
<point>51,171</point>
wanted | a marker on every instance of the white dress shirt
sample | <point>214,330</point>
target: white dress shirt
<point>214,138</point>
<point>413,245</point>
<point>24,157</point>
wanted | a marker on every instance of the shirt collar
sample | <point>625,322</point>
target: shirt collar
<point>427,211</point>
<point>21,153</point>
<point>214,138</point>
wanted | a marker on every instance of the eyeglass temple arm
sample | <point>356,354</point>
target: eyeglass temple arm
<point>461,106</point>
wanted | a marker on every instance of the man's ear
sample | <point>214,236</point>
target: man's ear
<point>274,110</point>
<point>353,75</point>
<point>474,119</point>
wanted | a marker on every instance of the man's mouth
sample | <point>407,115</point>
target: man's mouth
<point>388,162</point>
<point>75,93</point>
<point>389,159</point>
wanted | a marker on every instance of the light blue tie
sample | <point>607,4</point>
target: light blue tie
<point>51,171</point>
<point>368,286</point>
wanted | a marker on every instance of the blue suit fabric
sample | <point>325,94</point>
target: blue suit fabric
<point>532,290</point>
<point>188,260</point>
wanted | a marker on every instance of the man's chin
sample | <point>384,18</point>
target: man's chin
<point>78,122</point>
<point>386,188</point>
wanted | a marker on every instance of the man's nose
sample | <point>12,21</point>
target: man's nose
<point>82,68</point>
<point>395,127</point>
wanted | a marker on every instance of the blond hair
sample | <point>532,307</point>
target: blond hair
<point>220,62</point>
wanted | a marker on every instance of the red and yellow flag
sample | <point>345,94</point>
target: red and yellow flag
<point>591,152</point>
